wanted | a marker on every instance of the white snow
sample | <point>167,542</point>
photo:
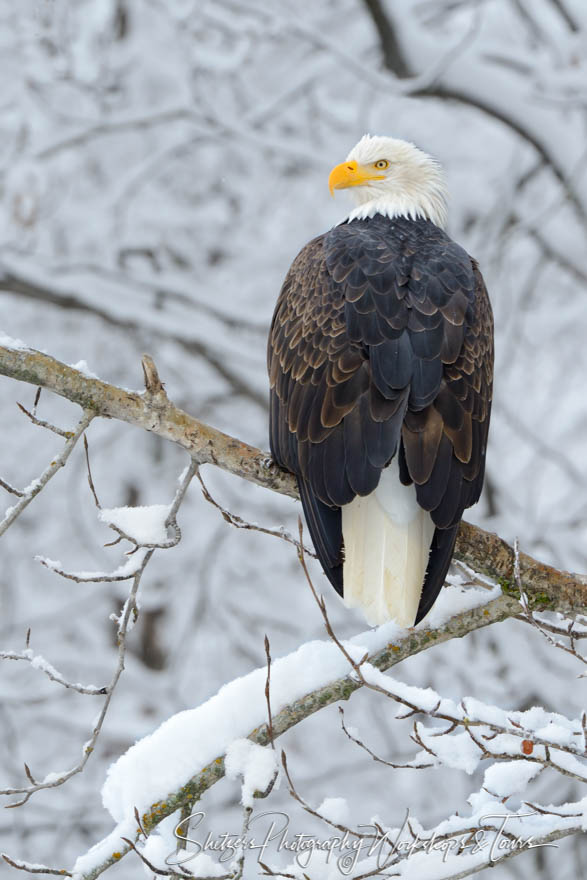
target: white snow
<point>34,484</point>
<point>335,810</point>
<point>510,777</point>
<point>82,367</point>
<point>156,850</point>
<point>568,762</point>
<point>455,600</point>
<point>555,733</point>
<point>256,764</point>
<point>54,776</point>
<point>8,342</point>
<point>187,742</point>
<point>145,525</point>
<point>191,739</point>
<point>52,564</point>
<point>39,662</point>
<point>425,698</point>
<point>457,750</point>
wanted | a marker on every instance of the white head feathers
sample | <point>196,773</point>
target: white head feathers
<point>413,184</point>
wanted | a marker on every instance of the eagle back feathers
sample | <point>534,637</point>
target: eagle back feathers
<point>381,344</point>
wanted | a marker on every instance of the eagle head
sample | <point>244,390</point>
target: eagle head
<point>392,177</point>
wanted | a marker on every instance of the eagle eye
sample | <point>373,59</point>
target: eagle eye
<point>381,164</point>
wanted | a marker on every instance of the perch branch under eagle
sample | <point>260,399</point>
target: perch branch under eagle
<point>380,359</point>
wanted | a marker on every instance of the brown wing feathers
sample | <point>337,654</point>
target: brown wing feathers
<point>382,341</point>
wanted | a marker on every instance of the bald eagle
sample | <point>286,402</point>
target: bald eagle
<point>380,359</point>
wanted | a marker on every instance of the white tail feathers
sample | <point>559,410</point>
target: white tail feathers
<point>387,539</point>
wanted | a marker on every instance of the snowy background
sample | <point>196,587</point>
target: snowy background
<point>161,163</point>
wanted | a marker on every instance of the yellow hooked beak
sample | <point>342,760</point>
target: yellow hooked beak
<point>350,174</point>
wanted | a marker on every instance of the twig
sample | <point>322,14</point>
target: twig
<point>159,871</point>
<point>11,489</point>
<point>184,482</point>
<point>39,484</point>
<point>40,663</point>
<point>153,384</point>
<point>42,424</point>
<point>554,629</point>
<point>238,522</point>
<point>297,797</point>
<point>268,695</point>
<point>247,813</point>
<point>322,605</point>
<point>529,617</point>
<point>372,754</point>
<point>36,400</point>
<point>269,872</point>
<point>90,479</point>
<point>94,577</point>
<point>35,869</point>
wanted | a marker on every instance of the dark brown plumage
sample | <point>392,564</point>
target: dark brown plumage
<point>382,344</point>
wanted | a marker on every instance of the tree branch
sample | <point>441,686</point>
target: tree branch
<point>393,56</point>
<point>546,587</point>
<point>160,416</point>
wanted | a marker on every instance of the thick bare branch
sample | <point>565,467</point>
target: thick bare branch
<point>204,443</point>
<point>546,587</point>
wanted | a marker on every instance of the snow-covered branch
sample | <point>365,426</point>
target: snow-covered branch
<point>37,661</point>
<point>521,745</point>
<point>312,678</point>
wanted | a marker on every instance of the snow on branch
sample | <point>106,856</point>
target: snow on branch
<point>37,661</point>
<point>521,744</point>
